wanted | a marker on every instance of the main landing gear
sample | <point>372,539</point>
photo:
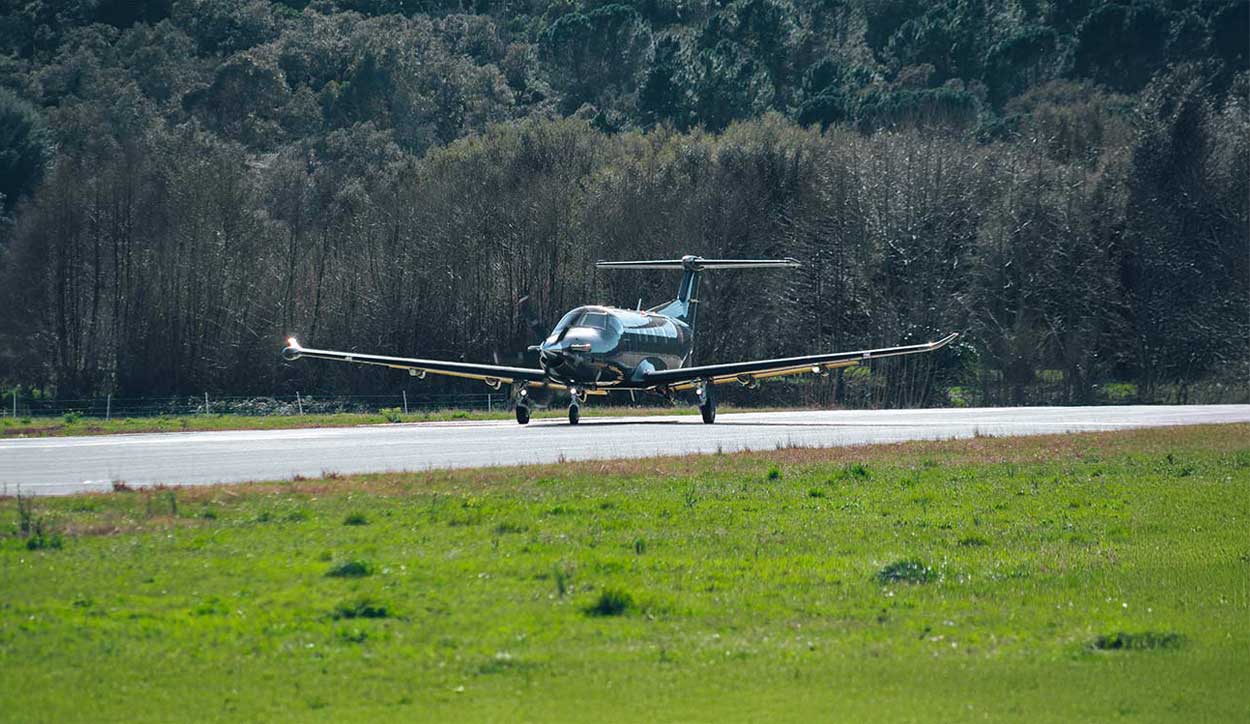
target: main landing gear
<point>575,406</point>
<point>707,402</point>
<point>523,414</point>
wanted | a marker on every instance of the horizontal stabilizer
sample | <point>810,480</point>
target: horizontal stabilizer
<point>697,263</point>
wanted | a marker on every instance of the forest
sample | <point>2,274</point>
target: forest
<point>185,183</point>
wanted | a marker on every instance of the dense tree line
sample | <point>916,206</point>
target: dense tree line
<point>184,183</point>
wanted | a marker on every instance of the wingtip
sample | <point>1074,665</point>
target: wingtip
<point>293,350</point>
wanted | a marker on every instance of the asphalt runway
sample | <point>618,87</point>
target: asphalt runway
<point>59,466</point>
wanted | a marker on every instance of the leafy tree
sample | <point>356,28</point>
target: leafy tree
<point>1122,45</point>
<point>25,148</point>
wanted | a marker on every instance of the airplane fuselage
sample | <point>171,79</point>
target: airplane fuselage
<point>593,347</point>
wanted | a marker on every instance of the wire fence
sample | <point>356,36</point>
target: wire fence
<point>24,406</point>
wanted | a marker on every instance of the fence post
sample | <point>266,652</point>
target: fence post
<point>300,402</point>
<point>405,401</point>
<point>490,405</point>
<point>15,403</point>
<point>206,403</point>
<point>108,408</point>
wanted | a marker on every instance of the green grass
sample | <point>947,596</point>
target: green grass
<point>1088,577</point>
<point>74,424</point>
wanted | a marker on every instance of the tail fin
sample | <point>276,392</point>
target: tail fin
<point>686,306</point>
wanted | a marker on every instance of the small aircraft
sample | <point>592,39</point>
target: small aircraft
<point>595,349</point>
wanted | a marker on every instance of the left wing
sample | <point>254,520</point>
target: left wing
<point>685,378</point>
<point>493,375</point>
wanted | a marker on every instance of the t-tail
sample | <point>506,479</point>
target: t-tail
<point>686,306</point>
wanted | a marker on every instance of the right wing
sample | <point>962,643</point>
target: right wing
<point>684,378</point>
<point>493,375</point>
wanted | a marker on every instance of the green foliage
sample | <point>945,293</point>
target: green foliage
<point>906,571</point>
<point>355,518</point>
<point>362,607</point>
<point>1140,641</point>
<point>611,602</point>
<point>351,569</point>
<point>25,148</point>
<point>978,167</point>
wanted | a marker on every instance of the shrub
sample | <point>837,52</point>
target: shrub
<point>906,571</point>
<point>360,608</point>
<point>392,414</point>
<point>355,519</point>
<point>855,471</point>
<point>71,417</point>
<point>43,541</point>
<point>611,602</point>
<point>351,569</point>
<point>774,473</point>
<point>1143,641</point>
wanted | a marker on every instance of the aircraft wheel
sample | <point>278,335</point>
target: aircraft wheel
<point>708,410</point>
<point>522,414</point>
<point>575,414</point>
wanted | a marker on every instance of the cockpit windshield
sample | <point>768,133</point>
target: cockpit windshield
<point>588,318</point>
<point>595,320</point>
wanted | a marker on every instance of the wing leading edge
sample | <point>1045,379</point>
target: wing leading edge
<point>748,372</point>
<point>493,375</point>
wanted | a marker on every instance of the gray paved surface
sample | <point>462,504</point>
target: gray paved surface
<point>66,465</point>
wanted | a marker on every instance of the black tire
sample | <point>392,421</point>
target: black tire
<point>708,410</point>
<point>522,415</point>
<point>575,414</point>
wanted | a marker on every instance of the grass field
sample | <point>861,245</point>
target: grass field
<point>71,425</point>
<point>1087,577</point>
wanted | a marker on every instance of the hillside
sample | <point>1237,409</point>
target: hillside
<point>184,183</point>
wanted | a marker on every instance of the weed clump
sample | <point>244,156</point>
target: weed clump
<point>1142,641</point>
<point>33,527</point>
<point>855,471</point>
<point>392,414</point>
<point>815,493</point>
<point>906,571</point>
<point>355,519</point>
<point>774,473</point>
<point>351,569</point>
<point>611,602</point>
<point>973,541</point>
<point>44,541</point>
<point>353,636</point>
<point>506,528</point>
<point>360,608</point>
